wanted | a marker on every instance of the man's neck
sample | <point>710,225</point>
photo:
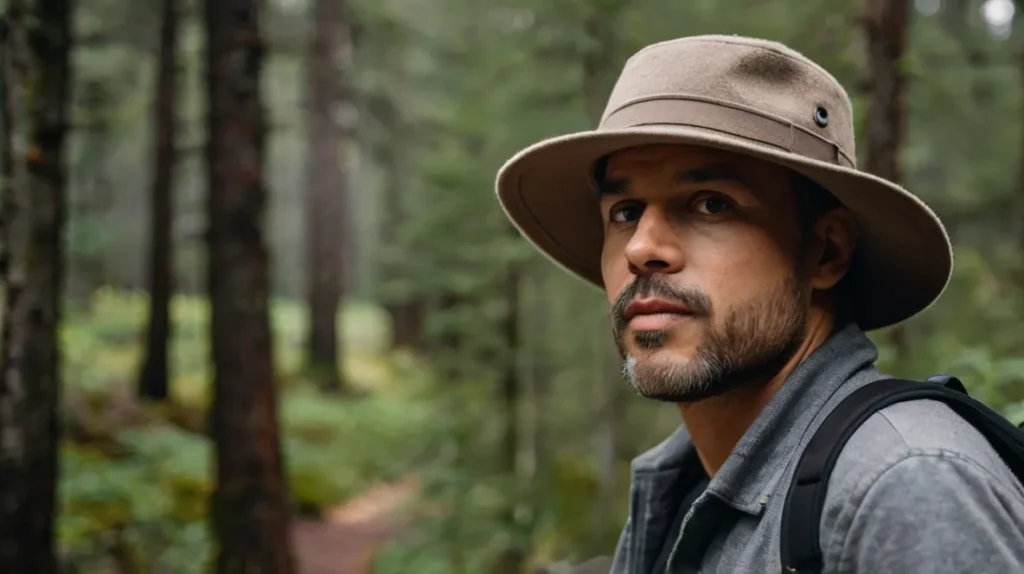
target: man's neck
<point>717,423</point>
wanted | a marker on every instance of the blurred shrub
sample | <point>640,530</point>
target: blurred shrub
<point>135,479</point>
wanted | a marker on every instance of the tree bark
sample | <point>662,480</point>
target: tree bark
<point>249,509</point>
<point>327,230</point>
<point>36,71</point>
<point>153,380</point>
<point>887,24</point>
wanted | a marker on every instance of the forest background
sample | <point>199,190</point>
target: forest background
<point>187,184</point>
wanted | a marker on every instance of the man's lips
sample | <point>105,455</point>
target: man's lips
<point>654,307</point>
<point>654,314</point>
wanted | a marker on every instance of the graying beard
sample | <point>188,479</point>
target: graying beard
<point>696,378</point>
<point>715,361</point>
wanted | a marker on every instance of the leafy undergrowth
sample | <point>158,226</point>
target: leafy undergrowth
<point>459,520</point>
<point>135,478</point>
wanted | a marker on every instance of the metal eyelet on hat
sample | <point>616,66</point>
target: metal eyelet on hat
<point>821,116</point>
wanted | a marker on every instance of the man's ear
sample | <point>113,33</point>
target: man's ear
<point>835,240</point>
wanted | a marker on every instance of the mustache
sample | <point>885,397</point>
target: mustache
<point>653,286</point>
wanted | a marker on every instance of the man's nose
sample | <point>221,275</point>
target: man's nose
<point>655,245</point>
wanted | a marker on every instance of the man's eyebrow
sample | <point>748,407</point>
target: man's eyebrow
<point>707,173</point>
<point>606,186</point>
<point>610,186</point>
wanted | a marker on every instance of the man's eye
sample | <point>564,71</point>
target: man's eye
<point>713,205</point>
<point>626,213</point>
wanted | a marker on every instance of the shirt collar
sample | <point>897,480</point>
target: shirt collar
<point>751,472</point>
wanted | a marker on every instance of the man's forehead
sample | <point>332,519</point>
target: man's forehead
<point>675,158</point>
<point>683,164</point>
<point>656,153</point>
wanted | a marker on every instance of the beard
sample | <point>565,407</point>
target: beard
<point>751,343</point>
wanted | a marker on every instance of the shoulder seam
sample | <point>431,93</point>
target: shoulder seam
<point>939,451</point>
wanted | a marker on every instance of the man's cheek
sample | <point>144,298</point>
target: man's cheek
<point>616,276</point>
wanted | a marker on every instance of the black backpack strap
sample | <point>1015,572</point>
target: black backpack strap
<point>801,515</point>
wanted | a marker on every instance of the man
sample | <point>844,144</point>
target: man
<point>719,206</point>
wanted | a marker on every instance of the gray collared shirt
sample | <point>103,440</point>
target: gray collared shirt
<point>916,489</point>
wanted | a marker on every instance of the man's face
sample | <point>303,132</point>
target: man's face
<point>704,267</point>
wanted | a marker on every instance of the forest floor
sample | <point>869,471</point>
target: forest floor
<point>346,538</point>
<point>150,466</point>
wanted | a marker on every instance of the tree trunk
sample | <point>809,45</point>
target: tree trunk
<point>512,559</point>
<point>153,379</point>
<point>388,109</point>
<point>887,23</point>
<point>36,71</point>
<point>327,230</point>
<point>407,316</point>
<point>249,509</point>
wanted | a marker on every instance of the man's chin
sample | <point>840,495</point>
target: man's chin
<point>662,357</point>
<point>676,395</point>
<point>672,379</point>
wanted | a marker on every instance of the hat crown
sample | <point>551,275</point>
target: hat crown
<point>758,75</point>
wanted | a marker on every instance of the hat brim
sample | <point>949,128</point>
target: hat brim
<point>904,256</point>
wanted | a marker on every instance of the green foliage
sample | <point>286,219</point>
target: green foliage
<point>135,479</point>
<point>974,333</point>
<point>455,87</point>
<point>459,528</point>
<point>150,503</point>
<point>334,448</point>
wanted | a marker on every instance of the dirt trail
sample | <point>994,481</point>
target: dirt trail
<point>345,540</point>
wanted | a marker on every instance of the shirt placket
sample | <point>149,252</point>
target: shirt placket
<point>706,519</point>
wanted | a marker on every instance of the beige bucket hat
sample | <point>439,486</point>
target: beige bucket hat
<point>747,96</point>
